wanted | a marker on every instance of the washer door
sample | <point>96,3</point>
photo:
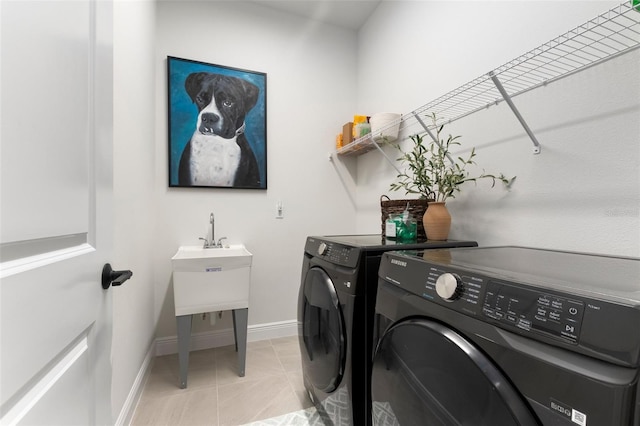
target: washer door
<point>323,341</point>
<point>427,374</point>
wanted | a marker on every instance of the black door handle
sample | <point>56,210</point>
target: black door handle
<point>111,277</point>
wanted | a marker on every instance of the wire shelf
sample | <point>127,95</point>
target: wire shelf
<point>610,34</point>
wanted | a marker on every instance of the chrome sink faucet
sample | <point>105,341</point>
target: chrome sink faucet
<point>212,221</point>
<point>212,243</point>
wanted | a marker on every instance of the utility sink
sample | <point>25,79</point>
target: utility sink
<point>211,279</point>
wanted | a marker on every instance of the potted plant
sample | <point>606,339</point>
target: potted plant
<point>433,173</point>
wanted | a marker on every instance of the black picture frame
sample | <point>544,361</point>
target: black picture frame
<point>217,132</point>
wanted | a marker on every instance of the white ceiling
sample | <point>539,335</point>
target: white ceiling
<point>350,14</point>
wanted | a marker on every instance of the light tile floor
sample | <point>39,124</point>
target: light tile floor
<point>216,396</point>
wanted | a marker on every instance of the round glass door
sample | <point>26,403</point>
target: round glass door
<point>427,374</point>
<point>323,334</point>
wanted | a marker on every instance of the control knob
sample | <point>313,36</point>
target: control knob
<point>448,286</point>
<point>322,249</point>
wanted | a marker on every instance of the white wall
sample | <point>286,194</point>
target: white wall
<point>581,193</point>
<point>318,76</point>
<point>134,147</point>
<point>311,86</point>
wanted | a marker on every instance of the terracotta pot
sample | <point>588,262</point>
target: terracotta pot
<point>437,221</point>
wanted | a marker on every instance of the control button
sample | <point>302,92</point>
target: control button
<point>448,286</point>
<point>524,324</point>
<point>542,300</point>
<point>570,331</point>
<point>490,313</point>
<point>557,304</point>
<point>322,249</point>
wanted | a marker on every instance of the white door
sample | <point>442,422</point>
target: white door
<point>55,218</point>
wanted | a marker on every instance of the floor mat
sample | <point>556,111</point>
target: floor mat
<point>308,417</point>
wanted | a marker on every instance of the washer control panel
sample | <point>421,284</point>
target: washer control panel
<point>532,310</point>
<point>518,306</point>
<point>335,253</point>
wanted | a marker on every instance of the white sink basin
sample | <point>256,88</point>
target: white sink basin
<point>197,259</point>
<point>212,279</point>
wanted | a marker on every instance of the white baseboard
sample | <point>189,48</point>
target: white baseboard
<point>217,338</point>
<point>130,404</point>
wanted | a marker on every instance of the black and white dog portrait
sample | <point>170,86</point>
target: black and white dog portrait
<point>217,126</point>
<point>218,153</point>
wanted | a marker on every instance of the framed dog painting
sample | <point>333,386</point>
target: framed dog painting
<point>217,126</point>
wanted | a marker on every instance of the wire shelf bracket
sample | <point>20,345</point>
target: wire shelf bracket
<point>426,129</point>
<point>507,99</point>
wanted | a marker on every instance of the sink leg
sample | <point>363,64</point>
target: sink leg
<point>240,322</point>
<point>235,329</point>
<point>184,337</point>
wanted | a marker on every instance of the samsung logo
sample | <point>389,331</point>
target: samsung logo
<point>398,262</point>
<point>569,413</point>
<point>559,408</point>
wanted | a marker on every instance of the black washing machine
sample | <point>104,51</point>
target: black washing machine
<point>506,336</point>
<point>335,320</point>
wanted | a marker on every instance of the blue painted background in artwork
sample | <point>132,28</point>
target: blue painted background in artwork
<point>184,113</point>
